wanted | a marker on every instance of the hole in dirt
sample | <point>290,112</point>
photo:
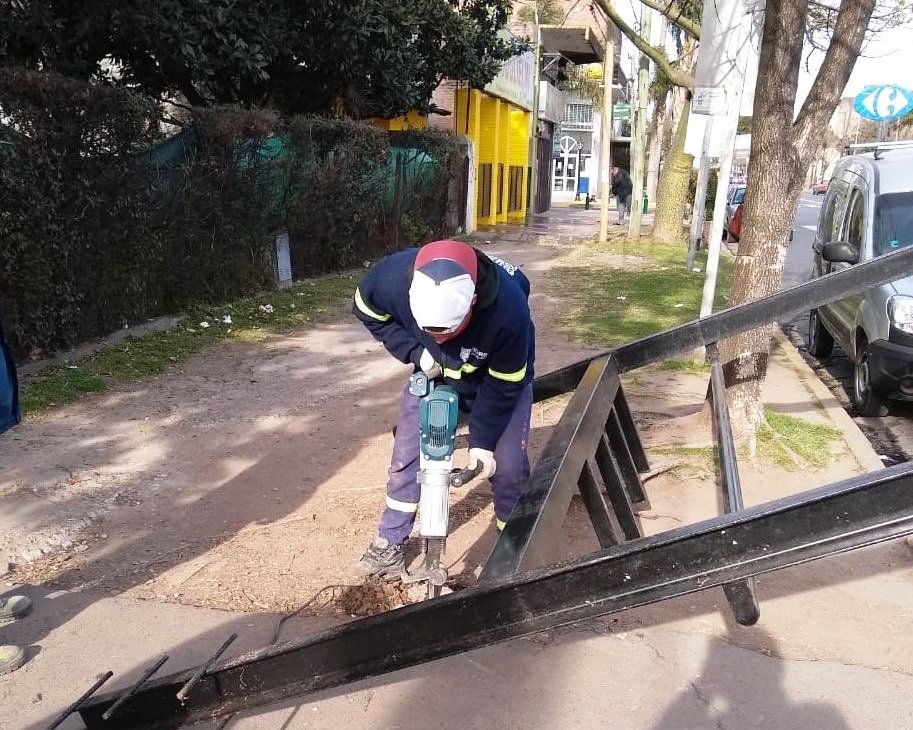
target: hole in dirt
<point>366,599</point>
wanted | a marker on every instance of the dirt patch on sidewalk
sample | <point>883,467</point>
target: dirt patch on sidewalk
<point>250,478</point>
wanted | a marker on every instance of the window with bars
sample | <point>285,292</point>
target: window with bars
<point>578,115</point>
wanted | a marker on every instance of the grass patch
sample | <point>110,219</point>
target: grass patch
<point>273,312</point>
<point>608,304</point>
<point>782,438</point>
<point>696,460</point>
<point>57,385</point>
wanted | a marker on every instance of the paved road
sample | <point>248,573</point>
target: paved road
<point>799,258</point>
<point>891,436</point>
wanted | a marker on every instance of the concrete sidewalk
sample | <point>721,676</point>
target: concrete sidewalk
<point>832,651</point>
<point>594,675</point>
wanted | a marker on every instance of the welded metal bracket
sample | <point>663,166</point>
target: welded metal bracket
<point>595,449</point>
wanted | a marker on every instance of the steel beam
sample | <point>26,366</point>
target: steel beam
<point>619,495</point>
<point>702,332</point>
<point>595,499</point>
<point>531,534</point>
<point>631,466</point>
<point>742,595</point>
<point>854,513</point>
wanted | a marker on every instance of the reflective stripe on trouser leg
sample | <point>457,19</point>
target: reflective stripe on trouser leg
<point>512,474</point>
<point>403,490</point>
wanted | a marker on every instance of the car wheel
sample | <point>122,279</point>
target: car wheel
<point>820,341</point>
<point>865,400</point>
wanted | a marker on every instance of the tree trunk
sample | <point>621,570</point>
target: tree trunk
<point>656,140</point>
<point>674,179</point>
<point>776,173</point>
<point>673,104</point>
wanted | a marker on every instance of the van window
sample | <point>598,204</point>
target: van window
<point>892,227</point>
<point>854,228</point>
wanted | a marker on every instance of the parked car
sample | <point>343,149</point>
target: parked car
<point>820,188</point>
<point>735,225</point>
<point>868,212</point>
<point>733,201</point>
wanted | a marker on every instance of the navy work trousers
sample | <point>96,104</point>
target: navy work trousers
<point>403,491</point>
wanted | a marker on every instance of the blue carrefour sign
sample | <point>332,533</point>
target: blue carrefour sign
<point>884,102</point>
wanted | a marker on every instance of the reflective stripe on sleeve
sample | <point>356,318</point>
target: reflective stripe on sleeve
<point>457,374</point>
<point>514,377</point>
<point>410,507</point>
<point>500,524</point>
<point>365,309</point>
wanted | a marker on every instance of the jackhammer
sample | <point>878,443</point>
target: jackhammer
<point>438,416</point>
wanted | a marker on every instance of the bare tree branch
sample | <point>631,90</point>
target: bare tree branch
<point>846,44</point>
<point>675,75</point>
<point>676,14</point>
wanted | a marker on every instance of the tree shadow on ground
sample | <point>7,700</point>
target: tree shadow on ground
<point>160,530</point>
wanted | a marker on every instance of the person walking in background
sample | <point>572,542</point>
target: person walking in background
<point>622,189</point>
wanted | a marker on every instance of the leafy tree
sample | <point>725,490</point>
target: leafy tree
<point>783,145</point>
<point>549,11</point>
<point>359,58</point>
<point>672,193</point>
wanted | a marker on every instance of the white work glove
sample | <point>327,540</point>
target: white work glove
<point>428,366</point>
<point>487,458</point>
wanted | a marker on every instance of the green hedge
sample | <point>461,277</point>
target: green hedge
<point>106,220</point>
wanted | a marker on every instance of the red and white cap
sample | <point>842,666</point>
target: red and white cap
<point>443,284</point>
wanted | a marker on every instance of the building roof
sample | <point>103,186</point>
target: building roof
<point>576,43</point>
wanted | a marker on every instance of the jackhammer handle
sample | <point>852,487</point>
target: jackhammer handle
<point>459,477</point>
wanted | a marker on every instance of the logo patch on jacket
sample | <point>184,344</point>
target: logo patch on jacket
<point>507,266</point>
<point>467,352</point>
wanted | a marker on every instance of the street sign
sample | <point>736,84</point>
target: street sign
<point>621,111</point>
<point>709,100</point>
<point>883,102</point>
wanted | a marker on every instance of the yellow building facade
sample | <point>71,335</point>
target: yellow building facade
<point>500,132</point>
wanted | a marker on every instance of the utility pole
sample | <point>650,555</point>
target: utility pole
<point>640,132</point>
<point>731,120</point>
<point>700,195</point>
<point>533,156</point>
<point>605,155</point>
<point>656,142</point>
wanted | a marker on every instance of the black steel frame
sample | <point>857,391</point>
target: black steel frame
<point>596,450</point>
<point>590,450</point>
<point>741,595</point>
<point>851,514</point>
